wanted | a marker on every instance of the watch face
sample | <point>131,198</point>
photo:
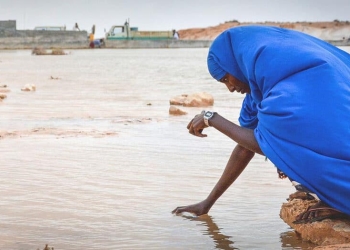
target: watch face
<point>208,114</point>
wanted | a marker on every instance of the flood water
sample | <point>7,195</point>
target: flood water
<point>93,160</point>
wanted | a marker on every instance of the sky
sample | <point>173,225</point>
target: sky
<point>166,14</point>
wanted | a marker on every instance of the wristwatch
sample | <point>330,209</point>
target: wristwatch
<point>207,116</point>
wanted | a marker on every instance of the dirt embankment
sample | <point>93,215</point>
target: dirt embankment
<point>336,30</point>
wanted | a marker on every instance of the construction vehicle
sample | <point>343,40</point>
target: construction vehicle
<point>125,32</point>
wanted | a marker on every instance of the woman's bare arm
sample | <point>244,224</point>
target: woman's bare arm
<point>243,136</point>
<point>238,161</point>
<point>246,147</point>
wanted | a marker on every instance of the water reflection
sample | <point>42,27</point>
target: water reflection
<point>289,239</point>
<point>221,240</point>
<point>292,240</point>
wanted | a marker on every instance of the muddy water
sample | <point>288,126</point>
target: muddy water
<point>92,159</point>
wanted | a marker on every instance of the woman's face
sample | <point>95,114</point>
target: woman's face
<point>233,84</point>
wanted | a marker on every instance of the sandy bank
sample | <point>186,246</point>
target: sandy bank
<point>329,31</point>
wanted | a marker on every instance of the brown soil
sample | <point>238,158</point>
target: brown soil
<point>210,33</point>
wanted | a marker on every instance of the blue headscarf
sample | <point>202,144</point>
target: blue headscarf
<point>299,105</point>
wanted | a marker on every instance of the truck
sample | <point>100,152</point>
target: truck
<point>125,32</point>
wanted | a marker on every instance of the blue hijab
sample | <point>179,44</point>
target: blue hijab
<point>299,105</point>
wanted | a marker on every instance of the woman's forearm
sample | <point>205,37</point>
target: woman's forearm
<point>243,136</point>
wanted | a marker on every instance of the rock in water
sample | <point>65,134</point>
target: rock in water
<point>322,233</point>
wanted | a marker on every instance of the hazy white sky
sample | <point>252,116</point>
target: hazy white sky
<point>166,14</point>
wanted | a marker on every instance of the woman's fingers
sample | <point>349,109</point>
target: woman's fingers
<point>190,124</point>
<point>183,209</point>
<point>178,210</point>
<point>195,127</point>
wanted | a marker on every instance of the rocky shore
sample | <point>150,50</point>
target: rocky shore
<point>328,233</point>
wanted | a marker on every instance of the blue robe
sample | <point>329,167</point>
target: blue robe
<point>299,105</point>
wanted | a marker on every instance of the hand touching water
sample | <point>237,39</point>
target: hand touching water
<point>197,209</point>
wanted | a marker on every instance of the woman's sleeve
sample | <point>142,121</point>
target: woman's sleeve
<point>248,116</point>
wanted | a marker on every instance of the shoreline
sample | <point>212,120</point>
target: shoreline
<point>336,33</point>
<point>179,44</point>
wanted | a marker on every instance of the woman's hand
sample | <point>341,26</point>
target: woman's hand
<point>196,125</point>
<point>196,209</point>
